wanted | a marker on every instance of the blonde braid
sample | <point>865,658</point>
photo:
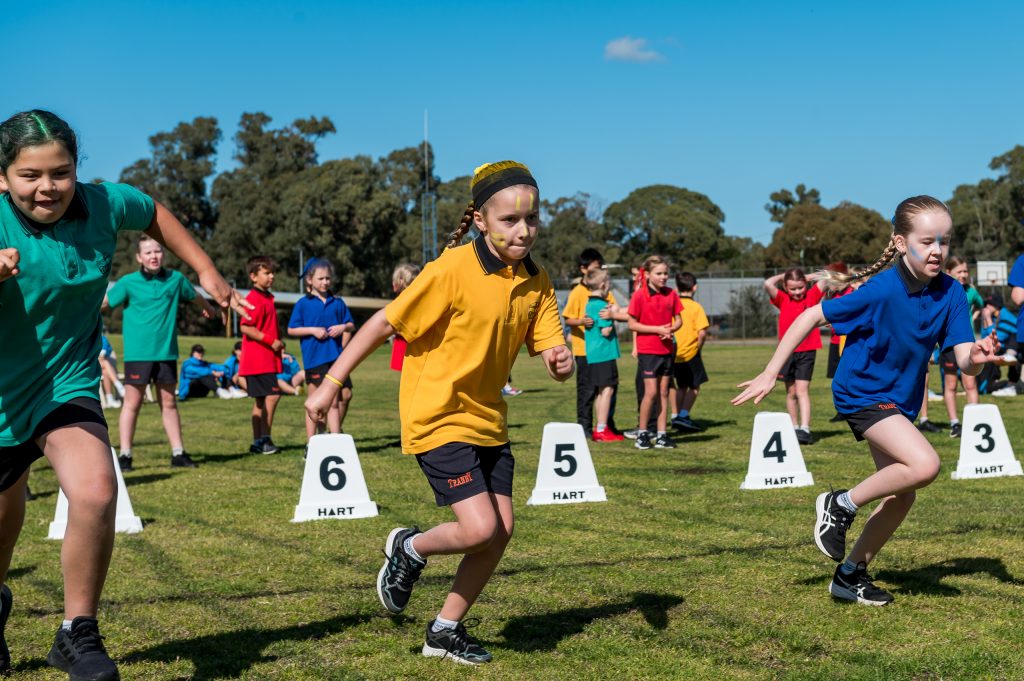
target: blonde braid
<point>455,238</point>
<point>839,281</point>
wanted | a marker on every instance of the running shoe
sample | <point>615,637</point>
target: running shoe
<point>400,571</point>
<point>831,525</point>
<point>79,651</point>
<point>858,587</point>
<point>454,644</point>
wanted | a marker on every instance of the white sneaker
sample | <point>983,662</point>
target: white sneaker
<point>934,396</point>
<point>237,392</point>
<point>224,394</point>
<point>1008,391</point>
<point>111,403</point>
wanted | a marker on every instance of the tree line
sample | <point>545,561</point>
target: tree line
<point>364,214</point>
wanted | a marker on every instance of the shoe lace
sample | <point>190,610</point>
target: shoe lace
<point>87,639</point>
<point>404,569</point>
<point>460,639</point>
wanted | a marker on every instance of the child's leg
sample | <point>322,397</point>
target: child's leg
<point>791,403</point>
<point>885,519</point>
<point>258,418</point>
<point>334,415</point>
<point>970,387</point>
<point>663,386</point>
<point>12,517</point>
<point>80,456</point>
<point>169,411</point>
<point>133,395</point>
<point>914,461</point>
<point>344,399</point>
<point>311,427</point>
<point>949,394</point>
<point>803,398</point>
<point>650,395</point>
<point>482,530</point>
<point>603,404</point>
<point>689,398</point>
<point>270,406</point>
<point>675,397</point>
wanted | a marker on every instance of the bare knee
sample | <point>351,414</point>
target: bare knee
<point>925,471</point>
<point>96,498</point>
<point>479,534</point>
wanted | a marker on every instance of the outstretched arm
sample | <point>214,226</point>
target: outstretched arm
<point>759,387</point>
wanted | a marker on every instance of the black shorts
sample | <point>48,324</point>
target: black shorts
<point>262,385</point>
<point>862,419</point>
<point>603,374</point>
<point>833,360</point>
<point>689,374</point>
<point>654,366</point>
<point>315,375</point>
<point>947,360</point>
<point>14,461</point>
<point>799,366</point>
<point>144,373</point>
<point>459,470</point>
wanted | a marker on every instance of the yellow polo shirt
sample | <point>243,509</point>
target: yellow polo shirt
<point>465,317</point>
<point>576,308</point>
<point>694,319</point>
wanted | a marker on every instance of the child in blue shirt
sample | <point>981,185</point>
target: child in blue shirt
<point>199,378</point>
<point>891,324</point>
<point>325,325</point>
<point>291,376</point>
<point>602,348</point>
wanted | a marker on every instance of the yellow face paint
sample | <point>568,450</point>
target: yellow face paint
<point>531,200</point>
<point>518,197</point>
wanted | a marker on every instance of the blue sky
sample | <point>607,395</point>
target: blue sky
<point>869,102</point>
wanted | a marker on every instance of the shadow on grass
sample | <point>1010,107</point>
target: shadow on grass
<point>221,458</point>
<point>386,442</point>
<point>543,632</point>
<point>230,654</point>
<point>928,579</point>
<point>133,480</point>
<point>690,438</point>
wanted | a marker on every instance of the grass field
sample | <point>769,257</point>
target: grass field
<point>678,575</point>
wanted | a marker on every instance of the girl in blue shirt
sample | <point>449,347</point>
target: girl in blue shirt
<point>891,323</point>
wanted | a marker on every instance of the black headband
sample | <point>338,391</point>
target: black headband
<point>489,186</point>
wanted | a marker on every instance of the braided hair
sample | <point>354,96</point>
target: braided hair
<point>901,226</point>
<point>455,238</point>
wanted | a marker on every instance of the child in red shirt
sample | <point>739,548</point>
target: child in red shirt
<point>400,280</point>
<point>795,296</point>
<point>261,353</point>
<point>654,315</point>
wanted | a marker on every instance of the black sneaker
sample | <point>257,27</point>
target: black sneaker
<point>6,603</point>
<point>631,433</point>
<point>400,572</point>
<point>643,440</point>
<point>804,436</point>
<point>831,524</point>
<point>954,430</point>
<point>663,441</point>
<point>857,587</point>
<point>183,460</point>
<point>79,651</point>
<point>454,644</point>
<point>685,423</point>
<point>125,462</point>
<point>928,427</point>
<point>257,446</point>
<point>269,447</point>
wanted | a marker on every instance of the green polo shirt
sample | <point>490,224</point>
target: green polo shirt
<point>150,313</point>
<point>50,312</point>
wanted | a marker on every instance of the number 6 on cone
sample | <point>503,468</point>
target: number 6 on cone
<point>333,485</point>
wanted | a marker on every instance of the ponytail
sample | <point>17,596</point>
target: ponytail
<point>455,238</point>
<point>840,280</point>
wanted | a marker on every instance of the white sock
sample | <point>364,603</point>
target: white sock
<point>66,625</point>
<point>846,502</point>
<point>601,427</point>
<point>411,550</point>
<point>126,452</point>
<point>806,429</point>
<point>177,451</point>
<point>953,422</point>
<point>441,623</point>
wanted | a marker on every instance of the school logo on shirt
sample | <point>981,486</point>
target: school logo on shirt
<point>103,263</point>
<point>459,481</point>
<point>533,311</point>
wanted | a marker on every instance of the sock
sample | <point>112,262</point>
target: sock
<point>110,397</point>
<point>846,502</point>
<point>684,413</point>
<point>177,451</point>
<point>806,429</point>
<point>119,387</point>
<point>674,416</point>
<point>847,568</point>
<point>66,625</point>
<point>923,421</point>
<point>258,441</point>
<point>408,548</point>
<point>601,427</point>
<point>662,432</point>
<point>953,422</point>
<point>126,452</point>
<point>441,623</point>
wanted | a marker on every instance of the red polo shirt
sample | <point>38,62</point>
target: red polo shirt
<point>790,309</point>
<point>257,356</point>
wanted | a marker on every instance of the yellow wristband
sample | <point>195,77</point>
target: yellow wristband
<point>333,380</point>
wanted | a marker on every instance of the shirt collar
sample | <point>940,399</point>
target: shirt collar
<point>161,274</point>
<point>912,283</point>
<point>266,294</point>
<point>76,210</point>
<point>492,263</point>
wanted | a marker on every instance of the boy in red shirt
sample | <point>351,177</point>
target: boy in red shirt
<point>795,296</point>
<point>261,353</point>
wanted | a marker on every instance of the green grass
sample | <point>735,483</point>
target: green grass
<point>678,575</point>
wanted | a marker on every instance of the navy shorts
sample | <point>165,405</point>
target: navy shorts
<point>690,374</point>
<point>862,419</point>
<point>315,376</point>
<point>14,461</point>
<point>144,373</point>
<point>459,470</point>
<point>603,374</point>
<point>654,366</point>
<point>799,366</point>
<point>262,385</point>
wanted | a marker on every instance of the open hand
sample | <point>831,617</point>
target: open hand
<point>757,388</point>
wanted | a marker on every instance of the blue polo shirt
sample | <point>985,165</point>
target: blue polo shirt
<point>311,311</point>
<point>891,324</point>
<point>1017,279</point>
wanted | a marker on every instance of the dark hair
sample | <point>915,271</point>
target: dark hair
<point>953,262</point>
<point>588,256</point>
<point>794,274</point>
<point>31,129</point>
<point>901,226</point>
<point>238,346</point>
<point>686,282</point>
<point>253,265</point>
<point>595,278</point>
<point>455,238</point>
<point>198,348</point>
<point>312,265</point>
